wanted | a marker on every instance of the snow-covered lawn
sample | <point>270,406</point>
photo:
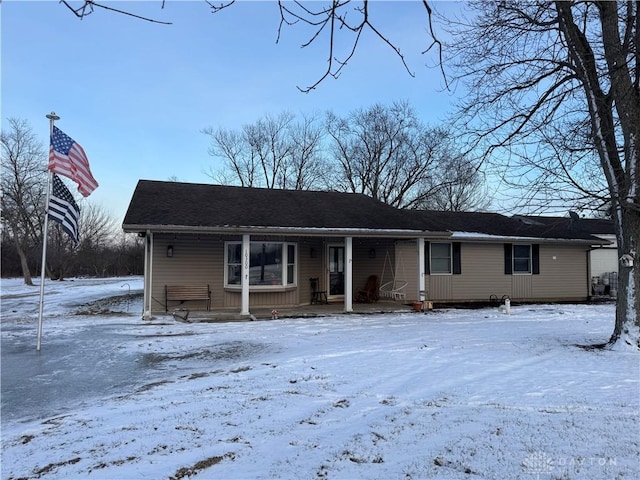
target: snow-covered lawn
<point>453,394</point>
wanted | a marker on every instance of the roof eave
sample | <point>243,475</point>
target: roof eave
<point>274,230</point>
<point>481,237</point>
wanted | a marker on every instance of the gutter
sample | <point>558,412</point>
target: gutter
<point>272,230</point>
<point>480,237</point>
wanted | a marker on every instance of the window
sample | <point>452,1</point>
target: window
<point>522,259</point>
<point>234,263</point>
<point>270,264</point>
<point>443,258</point>
<point>291,264</point>
<point>440,260</point>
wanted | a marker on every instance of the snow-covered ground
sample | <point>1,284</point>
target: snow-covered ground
<point>453,394</point>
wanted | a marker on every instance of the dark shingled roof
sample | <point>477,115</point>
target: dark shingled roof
<point>593,226</point>
<point>172,205</point>
<point>501,225</point>
<point>214,206</point>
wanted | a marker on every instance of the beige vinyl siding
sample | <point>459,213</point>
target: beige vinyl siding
<point>521,287</point>
<point>563,274</point>
<point>364,265</point>
<point>200,260</point>
<point>482,276</point>
<point>310,267</point>
<point>196,260</point>
<point>561,278</point>
<point>279,299</point>
<point>482,273</point>
<point>407,268</point>
<point>440,287</point>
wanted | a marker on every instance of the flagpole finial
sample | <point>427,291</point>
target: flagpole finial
<point>52,116</point>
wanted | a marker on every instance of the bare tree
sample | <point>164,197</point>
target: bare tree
<point>97,231</point>
<point>386,153</point>
<point>269,141</point>
<point>128,253</point>
<point>553,87</point>
<point>307,166</point>
<point>62,253</point>
<point>97,234</point>
<point>240,162</point>
<point>273,152</point>
<point>89,6</point>
<point>383,152</point>
<point>337,23</point>
<point>457,185</point>
<point>23,189</point>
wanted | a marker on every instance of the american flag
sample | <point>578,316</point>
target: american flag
<point>67,158</point>
<point>63,208</point>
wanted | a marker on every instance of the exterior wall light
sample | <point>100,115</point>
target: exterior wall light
<point>170,251</point>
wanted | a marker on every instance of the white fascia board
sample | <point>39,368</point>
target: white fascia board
<point>483,237</point>
<point>610,240</point>
<point>273,230</point>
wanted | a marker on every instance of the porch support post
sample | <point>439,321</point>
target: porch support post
<point>421,280</point>
<point>148,276</point>
<point>348,281</point>
<point>246,250</point>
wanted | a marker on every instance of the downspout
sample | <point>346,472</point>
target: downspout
<point>348,293</point>
<point>589,271</point>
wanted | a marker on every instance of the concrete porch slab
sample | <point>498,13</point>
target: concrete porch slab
<point>301,311</point>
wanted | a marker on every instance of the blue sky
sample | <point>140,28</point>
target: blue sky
<point>137,95</point>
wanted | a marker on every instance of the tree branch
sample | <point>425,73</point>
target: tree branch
<point>87,8</point>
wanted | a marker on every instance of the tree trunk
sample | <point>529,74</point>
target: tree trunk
<point>627,326</point>
<point>26,273</point>
<point>620,165</point>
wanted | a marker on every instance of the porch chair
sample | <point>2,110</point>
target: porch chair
<point>369,293</point>
<point>317,296</point>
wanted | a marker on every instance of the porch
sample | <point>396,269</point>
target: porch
<point>301,311</point>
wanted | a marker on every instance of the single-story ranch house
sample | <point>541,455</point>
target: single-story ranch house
<point>224,247</point>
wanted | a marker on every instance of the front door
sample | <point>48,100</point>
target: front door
<point>336,271</point>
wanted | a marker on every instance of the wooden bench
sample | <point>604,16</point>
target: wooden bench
<point>184,293</point>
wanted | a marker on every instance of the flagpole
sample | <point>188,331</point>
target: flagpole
<point>45,235</point>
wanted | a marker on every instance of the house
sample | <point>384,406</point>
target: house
<point>253,247</point>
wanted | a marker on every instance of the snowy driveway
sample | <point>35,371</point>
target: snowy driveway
<point>89,349</point>
<point>453,394</point>
<point>88,361</point>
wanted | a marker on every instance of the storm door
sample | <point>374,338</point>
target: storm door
<point>336,270</point>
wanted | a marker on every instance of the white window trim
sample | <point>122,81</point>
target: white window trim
<point>284,267</point>
<point>450,272</point>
